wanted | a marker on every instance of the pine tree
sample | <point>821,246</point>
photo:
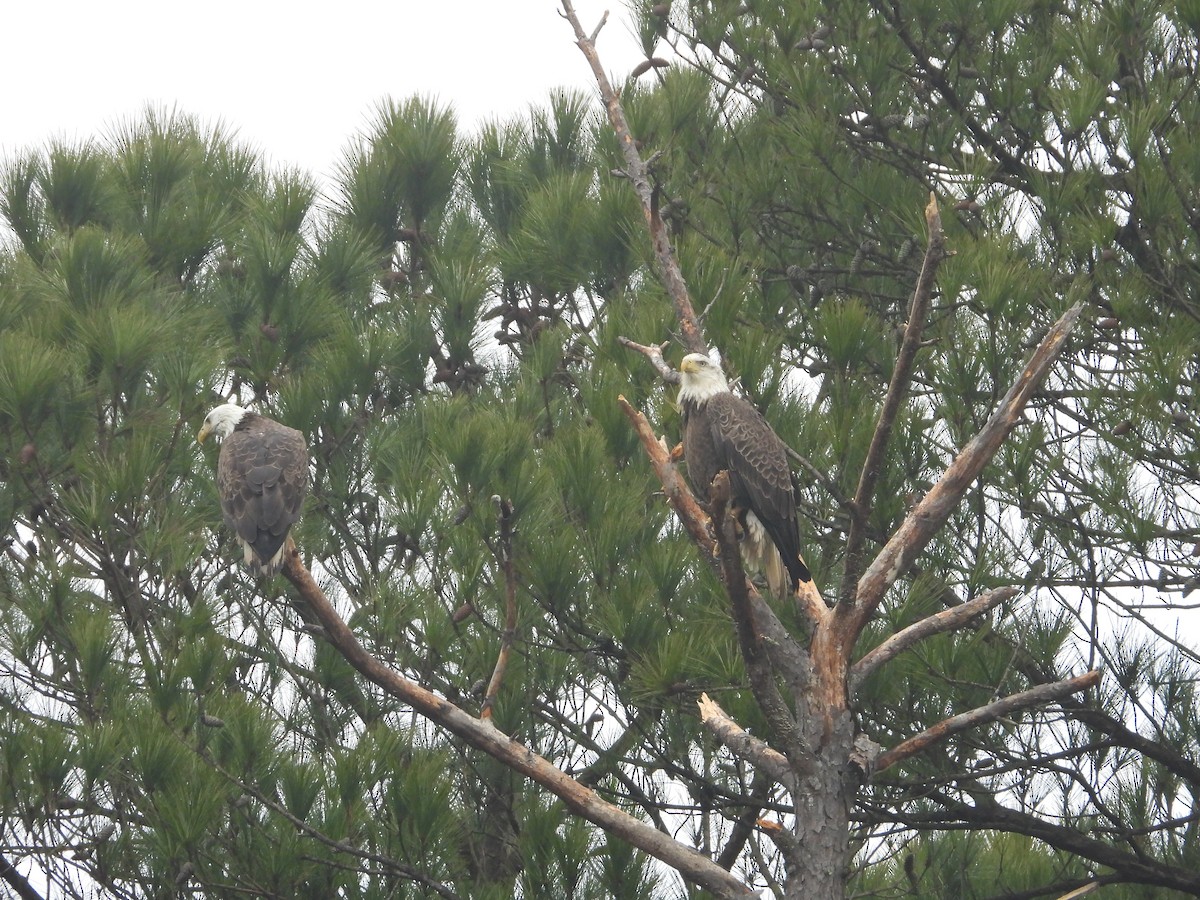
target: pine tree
<point>450,326</point>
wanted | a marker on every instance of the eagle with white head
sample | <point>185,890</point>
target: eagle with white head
<point>262,478</point>
<point>722,431</point>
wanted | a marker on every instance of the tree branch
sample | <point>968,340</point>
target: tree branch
<point>639,176</point>
<point>678,494</point>
<point>860,507</point>
<point>742,743</point>
<point>484,736</point>
<point>928,516</point>
<point>1036,696</point>
<point>17,881</point>
<point>654,353</point>
<point>743,825</point>
<point>946,620</point>
<point>987,813</point>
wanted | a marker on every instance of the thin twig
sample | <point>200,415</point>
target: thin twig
<point>820,475</point>
<point>1036,696</point>
<point>17,881</point>
<point>654,353</point>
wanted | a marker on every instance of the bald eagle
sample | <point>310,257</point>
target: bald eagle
<point>722,431</point>
<point>262,477</point>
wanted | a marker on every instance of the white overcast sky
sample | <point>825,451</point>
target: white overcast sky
<point>296,80</point>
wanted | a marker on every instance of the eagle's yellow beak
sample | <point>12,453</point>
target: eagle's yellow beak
<point>688,365</point>
<point>202,435</point>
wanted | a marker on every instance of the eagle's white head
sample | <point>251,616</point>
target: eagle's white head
<point>700,378</point>
<point>221,421</point>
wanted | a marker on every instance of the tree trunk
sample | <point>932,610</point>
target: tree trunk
<point>826,783</point>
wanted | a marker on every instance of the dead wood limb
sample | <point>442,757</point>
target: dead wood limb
<point>1037,696</point>
<point>18,882</point>
<point>745,823</point>
<point>484,736</point>
<point>742,744</point>
<point>930,514</point>
<point>938,623</point>
<point>678,494</point>
<point>639,176</point>
<point>504,515</point>
<point>812,604</point>
<point>654,353</point>
<point>864,496</point>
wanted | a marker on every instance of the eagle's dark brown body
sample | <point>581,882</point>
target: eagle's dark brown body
<point>722,431</point>
<point>262,477</point>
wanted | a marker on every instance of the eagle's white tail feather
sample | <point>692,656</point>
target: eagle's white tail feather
<point>761,555</point>
<point>271,566</point>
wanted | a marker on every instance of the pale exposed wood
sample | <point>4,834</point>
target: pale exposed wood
<point>931,513</point>
<point>741,743</point>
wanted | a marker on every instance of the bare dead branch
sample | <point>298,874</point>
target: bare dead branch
<point>1083,891</point>
<point>17,881</point>
<point>745,823</point>
<point>935,252</point>
<point>742,743</point>
<point>1036,696</point>
<point>811,602</point>
<point>504,515</point>
<point>680,497</point>
<point>938,623</point>
<point>639,175</point>
<point>930,514</point>
<point>654,353</point>
<point>484,736</point>
<point>599,26</point>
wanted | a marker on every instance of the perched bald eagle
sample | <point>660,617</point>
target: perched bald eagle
<point>723,431</point>
<point>262,477</point>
